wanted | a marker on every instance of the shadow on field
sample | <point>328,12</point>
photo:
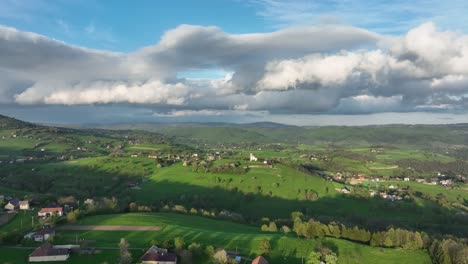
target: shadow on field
<point>374,214</point>
<point>94,181</point>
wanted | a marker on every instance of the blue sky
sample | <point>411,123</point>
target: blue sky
<point>126,25</point>
<point>235,60</point>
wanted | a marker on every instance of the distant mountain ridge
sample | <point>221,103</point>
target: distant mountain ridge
<point>12,123</point>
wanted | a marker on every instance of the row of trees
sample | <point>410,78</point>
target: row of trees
<point>448,251</point>
<point>390,238</point>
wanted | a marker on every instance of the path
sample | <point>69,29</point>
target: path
<point>110,228</point>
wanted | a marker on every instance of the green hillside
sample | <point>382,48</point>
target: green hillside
<point>231,236</point>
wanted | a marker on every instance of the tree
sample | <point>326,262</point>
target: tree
<point>133,207</point>
<point>221,257</point>
<point>286,229</point>
<point>125,256</point>
<point>297,216</point>
<point>264,247</point>
<point>72,216</point>
<point>389,238</point>
<point>331,258</point>
<point>272,227</point>
<point>313,258</point>
<point>195,248</point>
<point>179,243</point>
<point>209,251</point>
<point>314,229</point>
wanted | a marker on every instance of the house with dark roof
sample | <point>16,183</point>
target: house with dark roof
<point>259,260</point>
<point>44,234</point>
<point>47,252</point>
<point>12,205</point>
<point>156,255</point>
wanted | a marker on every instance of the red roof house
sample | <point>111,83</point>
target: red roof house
<point>259,260</point>
<point>49,211</point>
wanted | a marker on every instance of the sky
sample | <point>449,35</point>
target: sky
<point>330,62</point>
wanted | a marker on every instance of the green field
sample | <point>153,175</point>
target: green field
<point>98,163</point>
<point>20,256</point>
<point>21,223</point>
<point>231,236</point>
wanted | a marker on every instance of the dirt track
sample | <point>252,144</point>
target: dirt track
<point>110,228</point>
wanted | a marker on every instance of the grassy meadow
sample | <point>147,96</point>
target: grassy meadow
<point>231,236</point>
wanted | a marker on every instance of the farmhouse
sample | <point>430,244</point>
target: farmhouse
<point>259,260</point>
<point>46,212</point>
<point>89,202</point>
<point>44,234</point>
<point>156,255</point>
<point>24,205</point>
<point>12,205</point>
<point>47,252</point>
<point>345,190</point>
<point>252,157</point>
<point>152,156</point>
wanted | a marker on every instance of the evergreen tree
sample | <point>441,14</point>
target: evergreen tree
<point>125,256</point>
<point>264,247</point>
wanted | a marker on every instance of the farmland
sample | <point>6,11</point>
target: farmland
<point>373,178</point>
<point>232,236</point>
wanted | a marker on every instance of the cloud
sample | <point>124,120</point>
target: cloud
<point>307,69</point>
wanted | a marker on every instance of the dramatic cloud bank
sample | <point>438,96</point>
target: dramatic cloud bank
<point>322,69</point>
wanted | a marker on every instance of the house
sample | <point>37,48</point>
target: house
<point>24,205</point>
<point>134,156</point>
<point>252,157</point>
<point>345,190</point>
<point>446,183</point>
<point>259,260</point>
<point>152,156</point>
<point>89,202</point>
<point>29,235</point>
<point>47,252</point>
<point>44,234</point>
<point>12,205</point>
<point>406,179</point>
<point>156,255</point>
<point>49,211</point>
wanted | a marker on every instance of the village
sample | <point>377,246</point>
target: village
<point>51,216</point>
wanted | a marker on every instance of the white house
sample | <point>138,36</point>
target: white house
<point>24,205</point>
<point>12,205</point>
<point>44,234</point>
<point>252,157</point>
<point>406,179</point>
<point>47,252</point>
<point>46,212</point>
